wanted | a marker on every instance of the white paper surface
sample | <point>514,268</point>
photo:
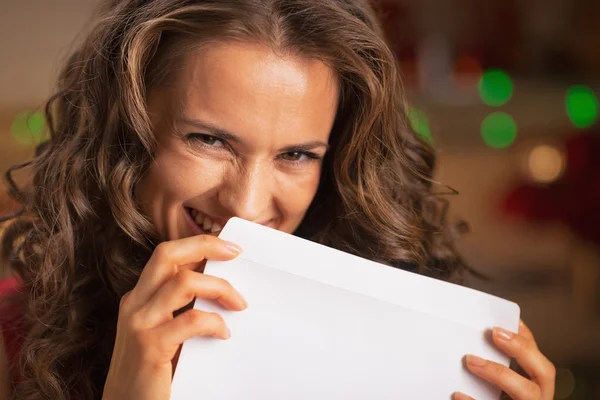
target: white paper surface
<point>323,324</point>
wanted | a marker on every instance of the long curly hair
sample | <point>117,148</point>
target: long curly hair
<point>81,240</point>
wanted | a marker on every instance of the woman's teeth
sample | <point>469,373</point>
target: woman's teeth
<point>205,222</point>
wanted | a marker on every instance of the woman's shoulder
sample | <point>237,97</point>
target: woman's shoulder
<point>11,324</point>
<point>10,289</point>
<point>9,286</point>
<point>11,307</point>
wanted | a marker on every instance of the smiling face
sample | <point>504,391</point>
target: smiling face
<point>241,132</point>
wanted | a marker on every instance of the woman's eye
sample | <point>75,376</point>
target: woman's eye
<point>299,156</point>
<point>206,139</point>
<point>293,156</point>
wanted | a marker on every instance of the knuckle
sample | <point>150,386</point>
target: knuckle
<point>224,285</point>
<point>534,391</point>
<point>220,288</point>
<point>125,302</point>
<point>204,238</point>
<point>136,323</point>
<point>183,278</point>
<point>497,370</point>
<point>550,371</point>
<point>216,319</point>
<point>164,250</point>
<point>195,318</point>
<point>184,283</point>
<point>208,320</point>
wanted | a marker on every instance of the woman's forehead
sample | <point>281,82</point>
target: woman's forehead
<point>247,88</point>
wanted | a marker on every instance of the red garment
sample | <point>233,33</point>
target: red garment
<point>11,322</point>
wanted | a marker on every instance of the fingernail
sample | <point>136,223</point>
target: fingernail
<point>475,361</point>
<point>233,248</point>
<point>460,396</point>
<point>227,333</point>
<point>244,301</point>
<point>503,334</point>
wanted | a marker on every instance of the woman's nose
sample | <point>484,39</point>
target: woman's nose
<point>247,193</point>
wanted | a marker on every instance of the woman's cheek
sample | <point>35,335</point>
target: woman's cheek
<point>298,190</point>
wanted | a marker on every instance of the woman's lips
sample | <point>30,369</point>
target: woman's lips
<point>196,230</point>
<point>204,224</point>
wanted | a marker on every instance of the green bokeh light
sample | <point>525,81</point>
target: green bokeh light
<point>495,87</point>
<point>28,128</point>
<point>420,123</point>
<point>499,130</point>
<point>582,106</point>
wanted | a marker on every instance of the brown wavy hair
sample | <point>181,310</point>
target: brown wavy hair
<point>81,240</point>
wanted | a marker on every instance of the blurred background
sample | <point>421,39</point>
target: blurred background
<point>506,90</point>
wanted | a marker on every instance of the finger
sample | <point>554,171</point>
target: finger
<point>525,332</point>
<point>528,356</point>
<point>183,288</point>
<point>167,338</point>
<point>169,257</point>
<point>461,396</point>
<point>515,385</point>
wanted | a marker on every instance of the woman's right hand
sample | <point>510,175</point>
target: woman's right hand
<point>148,334</point>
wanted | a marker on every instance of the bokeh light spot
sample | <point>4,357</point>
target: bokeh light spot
<point>499,130</point>
<point>546,163</point>
<point>467,73</point>
<point>420,123</point>
<point>582,106</point>
<point>495,87</point>
<point>28,128</point>
<point>565,384</point>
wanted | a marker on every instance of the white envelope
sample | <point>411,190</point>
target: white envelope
<point>324,324</point>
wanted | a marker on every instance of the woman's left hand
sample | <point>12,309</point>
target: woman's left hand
<point>521,347</point>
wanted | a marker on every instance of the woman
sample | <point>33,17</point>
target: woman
<point>175,115</point>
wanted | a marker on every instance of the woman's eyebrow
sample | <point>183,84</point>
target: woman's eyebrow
<point>304,146</point>
<point>210,129</point>
<point>226,135</point>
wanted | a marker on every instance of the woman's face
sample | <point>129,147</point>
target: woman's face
<point>241,132</point>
